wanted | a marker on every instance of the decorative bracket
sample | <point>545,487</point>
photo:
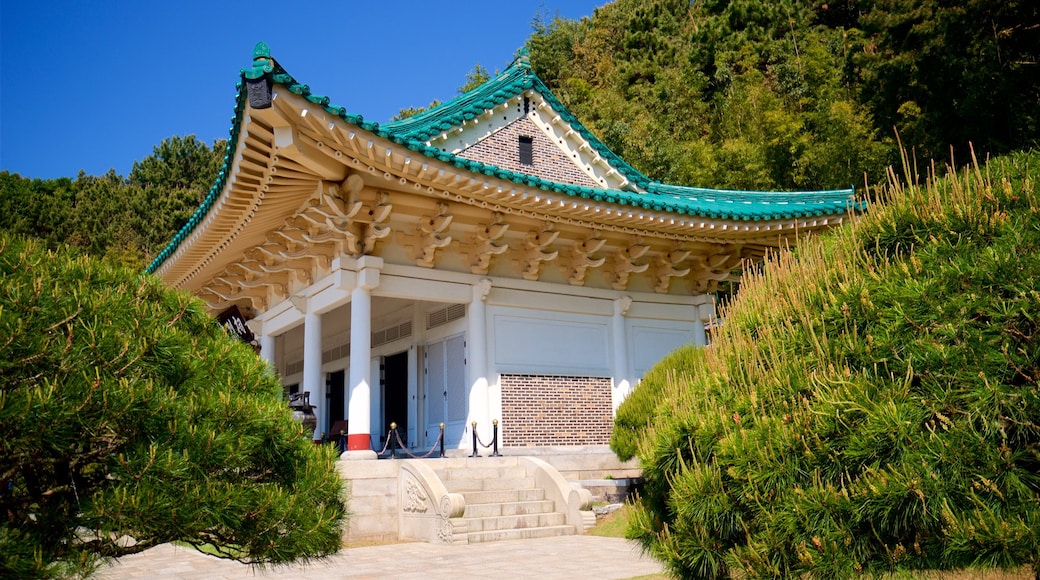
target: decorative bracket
<point>581,260</point>
<point>622,305</point>
<point>337,210</point>
<point>625,265</point>
<point>534,252</point>
<point>487,244</point>
<point>258,301</point>
<point>379,227</point>
<point>707,271</point>
<point>430,235</point>
<point>665,269</point>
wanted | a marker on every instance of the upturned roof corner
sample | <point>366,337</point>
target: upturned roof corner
<point>423,134</point>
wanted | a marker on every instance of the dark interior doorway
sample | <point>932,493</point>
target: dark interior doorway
<point>395,393</point>
<point>337,400</point>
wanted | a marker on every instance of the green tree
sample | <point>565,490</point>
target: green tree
<point>413,111</point>
<point>734,94</point>
<point>128,418</point>
<point>551,46</point>
<point>127,220</point>
<point>180,163</point>
<point>952,72</point>
<point>36,207</point>
<point>170,184</point>
<point>474,78</point>
<point>870,404</point>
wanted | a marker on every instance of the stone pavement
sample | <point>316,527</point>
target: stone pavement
<point>543,558</point>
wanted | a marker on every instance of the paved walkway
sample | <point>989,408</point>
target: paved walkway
<point>564,557</point>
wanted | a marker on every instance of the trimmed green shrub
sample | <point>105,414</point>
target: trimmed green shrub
<point>128,418</point>
<point>871,402</point>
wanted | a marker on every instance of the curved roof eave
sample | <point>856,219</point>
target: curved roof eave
<point>518,77</point>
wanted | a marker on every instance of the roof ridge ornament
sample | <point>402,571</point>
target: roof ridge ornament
<point>258,78</point>
<point>523,57</point>
<point>261,50</point>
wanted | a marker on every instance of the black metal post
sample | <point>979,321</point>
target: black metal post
<point>494,439</point>
<point>442,439</point>
<point>393,440</point>
<point>475,454</point>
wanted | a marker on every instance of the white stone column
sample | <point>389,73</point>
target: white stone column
<point>359,405</point>
<point>622,373</point>
<point>477,360</point>
<point>267,353</point>
<point>706,314</point>
<point>313,380</point>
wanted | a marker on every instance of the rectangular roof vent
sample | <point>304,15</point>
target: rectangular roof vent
<point>445,315</point>
<point>403,330</point>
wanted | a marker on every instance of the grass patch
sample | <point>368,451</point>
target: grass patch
<point>612,525</point>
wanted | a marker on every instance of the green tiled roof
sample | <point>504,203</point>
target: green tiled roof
<point>516,79</point>
<point>413,133</point>
<point>752,205</point>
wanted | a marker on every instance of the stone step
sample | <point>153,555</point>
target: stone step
<point>487,510</point>
<point>503,472</point>
<point>464,462</point>
<point>516,522</point>
<point>503,496</point>
<point>520,534</point>
<point>466,485</point>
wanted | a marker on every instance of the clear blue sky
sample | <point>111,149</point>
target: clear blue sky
<point>94,86</point>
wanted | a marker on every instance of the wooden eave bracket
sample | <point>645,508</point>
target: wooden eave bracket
<point>535,251</point>
<point>487,243</point>
<point>582,260</point>
<point>430,235</point>
<point>625,264</point>
<point>666,268</point>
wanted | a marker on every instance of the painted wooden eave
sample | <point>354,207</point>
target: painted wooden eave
<point>281,161</point>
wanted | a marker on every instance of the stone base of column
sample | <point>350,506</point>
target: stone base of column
<point>359,455</point>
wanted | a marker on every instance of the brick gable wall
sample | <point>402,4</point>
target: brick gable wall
<point>547,410</point>
<point>502,149</point>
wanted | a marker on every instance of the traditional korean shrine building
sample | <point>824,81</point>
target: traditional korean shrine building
<point>487,259</point>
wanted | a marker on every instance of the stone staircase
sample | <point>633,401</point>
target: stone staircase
<point>503,502</point>
<point>488,499</point>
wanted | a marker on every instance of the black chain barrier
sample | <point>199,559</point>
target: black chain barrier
<point>341,442</point>
<point>389,437</point>
<point>494,440</point>
<point>396,437</point>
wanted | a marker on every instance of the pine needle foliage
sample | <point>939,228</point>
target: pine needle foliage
<point>128,418</point>
<point>871,402</point>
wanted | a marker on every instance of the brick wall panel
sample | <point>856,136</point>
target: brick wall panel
<point>502,149</point>
<point>549,410</point>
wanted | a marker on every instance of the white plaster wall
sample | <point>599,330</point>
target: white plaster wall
<point>650,340</point>
<point>542,342</point>
<point>523,338</point>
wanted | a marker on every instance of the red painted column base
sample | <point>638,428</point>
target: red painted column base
<point>359,442</point>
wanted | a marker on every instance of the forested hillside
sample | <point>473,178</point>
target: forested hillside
<point>796,94</point>
<point>737,94</point>
<point>125,219</point>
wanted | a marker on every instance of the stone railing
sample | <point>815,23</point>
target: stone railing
<point>427,510</point>
<point>576,503</point>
